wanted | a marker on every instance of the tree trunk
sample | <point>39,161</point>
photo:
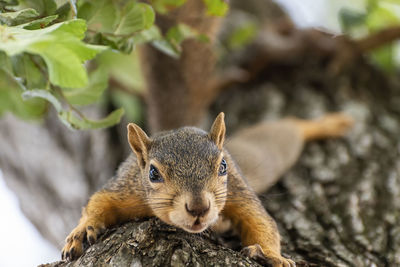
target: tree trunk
<point>183,84</point>
<point>53,170</point>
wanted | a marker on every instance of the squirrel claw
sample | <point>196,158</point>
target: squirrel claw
<point>74,242</point>
<point>256,253</point>
<point>73,246</point>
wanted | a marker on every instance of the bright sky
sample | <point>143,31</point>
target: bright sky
<point>21,244</point>
<point>319,13</point>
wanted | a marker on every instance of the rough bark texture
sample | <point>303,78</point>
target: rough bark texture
<point>153,243</point>
<point>339,206</point>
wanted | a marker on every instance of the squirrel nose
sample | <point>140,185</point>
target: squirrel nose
<point>197,210</point>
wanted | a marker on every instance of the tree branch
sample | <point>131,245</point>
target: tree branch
<point>153,243</point>
<point>115,84</point>
<point>378,39</point>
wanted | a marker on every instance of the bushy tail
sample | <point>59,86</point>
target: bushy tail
<point>266,150</point>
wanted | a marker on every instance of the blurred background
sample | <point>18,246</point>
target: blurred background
<point>356,18</point>
<point>21,235</point>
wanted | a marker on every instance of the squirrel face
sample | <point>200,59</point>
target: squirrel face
<point>184,174</point>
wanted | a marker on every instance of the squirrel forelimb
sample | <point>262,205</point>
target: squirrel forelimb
<point>187,178</point>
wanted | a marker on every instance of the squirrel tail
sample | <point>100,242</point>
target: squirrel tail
<point>268,149</point>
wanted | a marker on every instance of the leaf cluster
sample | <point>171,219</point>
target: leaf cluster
<point>377,15</point>
<point>62,53</point>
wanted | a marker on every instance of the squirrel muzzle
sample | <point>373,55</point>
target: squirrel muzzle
<point>194,214</point>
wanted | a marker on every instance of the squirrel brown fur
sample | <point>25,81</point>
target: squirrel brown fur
<point>187,178</point>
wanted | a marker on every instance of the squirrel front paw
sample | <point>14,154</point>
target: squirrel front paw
<point>256,253</point>
<point>74,242</point>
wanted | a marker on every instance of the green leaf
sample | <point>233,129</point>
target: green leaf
<point>396,2</point>
<point>179,33</point>
<point>130,103</point>
<point>65,67</point>
<point>216,7</point>
<point>9,2</point>
<point>26,67</point>
<point>101,15</point>
<point>88,9</point>
<point>171,45</point>
<point>5,62</point>
<point>44,7</point>
<point>163,6</point>
<point>114,27</point>
<point>242,35</point>
<point>11,100</point>
<point>124,68</point>
<point>381,17</point>
<point>349,18</point>
<point>106,40</point>
<point>75,122</point>
<point>63,12</point>
<point>152,33</point>
<point>98,82</point>
<point>166,47</point>
<point>15,39</point>
<point>384,56</point>
<point>44,94</point>
<point>135,17</point>
<point>18,17</point>
<point>69,117</point>
<point>39,23</point>
<point>60,47</point>
<point>76,28</point>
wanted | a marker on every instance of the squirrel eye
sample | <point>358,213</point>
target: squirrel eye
<point>154,175</point>
<point>222,168</point>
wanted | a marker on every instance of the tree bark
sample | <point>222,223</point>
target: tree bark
<point>153,243</point>
<point>339,206</point>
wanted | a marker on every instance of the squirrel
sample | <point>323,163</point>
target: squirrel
<point>188,178</point>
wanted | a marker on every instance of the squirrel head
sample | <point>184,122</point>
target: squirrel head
<point>184,173</point>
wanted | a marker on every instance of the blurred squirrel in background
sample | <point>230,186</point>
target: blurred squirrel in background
<point>188,178</point>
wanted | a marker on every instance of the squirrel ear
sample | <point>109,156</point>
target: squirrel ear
<point>139,142</point>
<point>217,132</point>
